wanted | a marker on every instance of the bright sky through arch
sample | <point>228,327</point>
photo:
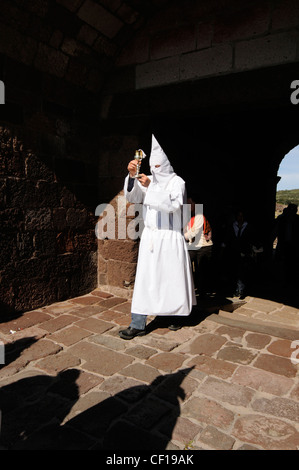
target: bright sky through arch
<point>289,170</point>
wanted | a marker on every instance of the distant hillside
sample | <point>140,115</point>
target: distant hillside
<point>288,196</point>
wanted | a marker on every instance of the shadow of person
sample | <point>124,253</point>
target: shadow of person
<point>204,308</point>
<point>12,351</point>
<point>138,418</point>
<point>127,420</point>
<point>33,408</point>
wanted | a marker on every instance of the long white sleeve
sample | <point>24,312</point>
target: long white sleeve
<point>137,193</point>
<point>196,228</point>
<point>164,200</point>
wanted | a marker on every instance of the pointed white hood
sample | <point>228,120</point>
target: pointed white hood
<point>164,173</point>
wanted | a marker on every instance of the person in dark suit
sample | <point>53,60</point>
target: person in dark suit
<point>287,250</point>
<point>238,243</point>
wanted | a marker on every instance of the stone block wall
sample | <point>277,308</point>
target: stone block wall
<point>47,247</point>
<point>190,40</point>
<point>48,161</point>
<point>54,58</point>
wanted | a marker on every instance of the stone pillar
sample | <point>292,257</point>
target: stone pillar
<point>117,250</point>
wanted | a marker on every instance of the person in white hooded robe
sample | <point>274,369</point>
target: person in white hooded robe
<point>163,281</point>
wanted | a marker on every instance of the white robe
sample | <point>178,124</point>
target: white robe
<point>163,282</point>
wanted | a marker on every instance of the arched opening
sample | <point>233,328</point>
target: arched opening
<point>288,185</point>
<point>286,225</point>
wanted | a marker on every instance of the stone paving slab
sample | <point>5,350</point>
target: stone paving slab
<point>265,312</point>
<point>227,380</point>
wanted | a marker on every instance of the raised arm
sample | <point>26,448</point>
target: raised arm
<point>135,189</point>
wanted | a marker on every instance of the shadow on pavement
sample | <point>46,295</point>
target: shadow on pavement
<point>34,408</point>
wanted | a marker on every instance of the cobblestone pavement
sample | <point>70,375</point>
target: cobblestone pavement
<point>227,380</point>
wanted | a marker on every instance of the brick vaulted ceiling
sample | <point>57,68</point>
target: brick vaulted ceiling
<point>72,39</point>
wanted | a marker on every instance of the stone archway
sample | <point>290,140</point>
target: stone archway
<point>87,81</point>
<point>287,172</point>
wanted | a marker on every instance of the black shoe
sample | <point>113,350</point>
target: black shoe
<point>174,327</point>
<point>130,333</point>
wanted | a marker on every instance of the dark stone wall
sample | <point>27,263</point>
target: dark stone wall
<point>55,56</point>
<point>190,40</point>
<point>48,181</point>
